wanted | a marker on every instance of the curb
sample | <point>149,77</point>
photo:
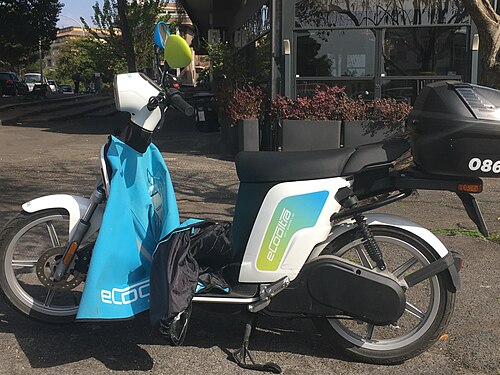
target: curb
<point>27,103</point>
<point>78,109</point>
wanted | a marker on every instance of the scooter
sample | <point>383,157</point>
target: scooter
<point>379,287</point>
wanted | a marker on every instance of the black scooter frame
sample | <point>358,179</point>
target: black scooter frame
<point>379,181</point>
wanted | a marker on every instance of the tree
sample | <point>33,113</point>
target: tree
<point>142,17</point>
<point>228,71</point>
<point>87,56</point>
<point>488,27</point>
<point>23,25</point>
<point>125,22</point>
<point>128,42</point>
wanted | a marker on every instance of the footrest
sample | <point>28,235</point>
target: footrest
<point>249,292</point>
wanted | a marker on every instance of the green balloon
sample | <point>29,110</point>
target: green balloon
<point>177,52</point>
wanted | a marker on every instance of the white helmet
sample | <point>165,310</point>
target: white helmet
<point>132,93</point>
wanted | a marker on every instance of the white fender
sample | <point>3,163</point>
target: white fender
<point>386,220</point>
<point>75,205</point>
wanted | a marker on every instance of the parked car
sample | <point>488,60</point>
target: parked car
<point>11,84</point>
<point>54,86</point>
<point>66,89</point>
<point>34,78</point>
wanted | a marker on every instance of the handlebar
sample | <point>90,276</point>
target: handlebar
<point>178,102</point>
<point>172,98</point>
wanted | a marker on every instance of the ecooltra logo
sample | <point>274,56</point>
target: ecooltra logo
<point>279,232</point>
<point>292,214</point>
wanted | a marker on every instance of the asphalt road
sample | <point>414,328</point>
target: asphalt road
<point>62,158</point>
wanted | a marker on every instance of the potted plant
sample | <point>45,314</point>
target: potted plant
<point>375,121</point>
<point>312,123</point>
<point>245,110</point>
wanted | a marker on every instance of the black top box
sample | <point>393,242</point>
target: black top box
<point>455,130</point>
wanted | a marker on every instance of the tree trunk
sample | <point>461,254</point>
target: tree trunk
<point>488,26</point>
<point>489,46</point>
<point>126,36</point>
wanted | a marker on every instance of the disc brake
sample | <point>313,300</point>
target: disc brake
<point>45,268</point>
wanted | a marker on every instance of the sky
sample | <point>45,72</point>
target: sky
<point>73,10</point>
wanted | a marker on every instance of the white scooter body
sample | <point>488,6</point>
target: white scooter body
<point>75,206</point>
<point>303,245</point>
<point>293,218</point>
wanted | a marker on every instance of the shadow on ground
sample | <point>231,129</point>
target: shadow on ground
<point>119,345</point>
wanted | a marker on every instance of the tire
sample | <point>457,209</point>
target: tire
<point>23,241</point>
<point>429,304</point>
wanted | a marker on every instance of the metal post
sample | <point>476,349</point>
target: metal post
<point>287,22</point>
<point>474,54</point>
<point>41,59</point>
<point>275,48</point>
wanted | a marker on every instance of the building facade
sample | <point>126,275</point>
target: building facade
<point>62,37</point>
<point>379,48</point>
<point>375,48</point>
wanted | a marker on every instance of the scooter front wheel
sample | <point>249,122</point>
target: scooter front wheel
<point>429,304</point>
<point>30,244</point>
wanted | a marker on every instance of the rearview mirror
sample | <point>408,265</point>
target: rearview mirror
<point>161,34</point>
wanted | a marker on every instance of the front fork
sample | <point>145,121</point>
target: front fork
<point>74,242</point>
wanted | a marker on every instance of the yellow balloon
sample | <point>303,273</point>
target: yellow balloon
<point>177,52</point>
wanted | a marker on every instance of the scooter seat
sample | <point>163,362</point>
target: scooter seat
<point>268,166</point>
<point>375,154</point>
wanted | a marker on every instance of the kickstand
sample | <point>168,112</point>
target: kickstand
<point>242,355</point>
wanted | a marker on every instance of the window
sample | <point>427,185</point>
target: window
<point>424,51</point>
<point>336,53</point>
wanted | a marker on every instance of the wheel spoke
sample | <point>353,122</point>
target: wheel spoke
<point>413,310</point>
<point>363,256</point>
<point>17,263</point>
<point>48,299</point>
<point>423,311</point>
<point>33,236</point>
<point>53,235</point>
<point>405,267</point>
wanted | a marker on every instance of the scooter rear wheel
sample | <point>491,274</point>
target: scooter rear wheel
<point>29,245</point>
<point>429,304</point>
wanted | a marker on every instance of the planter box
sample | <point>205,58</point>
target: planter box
<point>358,133</point>
<point>248,135</point>
<point>304,135</point>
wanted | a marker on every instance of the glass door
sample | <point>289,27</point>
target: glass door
<point>342,57</point>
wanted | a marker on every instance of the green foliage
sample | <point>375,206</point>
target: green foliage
<point>141,16</point>
<point>105,19</point>
<point>263,62</point>
<point>228,71</point>
<point>87,56</point>
<point>23,24</point>
<point>493,236</point>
